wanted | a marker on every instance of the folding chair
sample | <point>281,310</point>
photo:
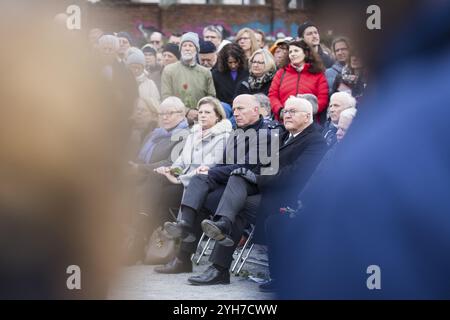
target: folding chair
<point>241,261</point>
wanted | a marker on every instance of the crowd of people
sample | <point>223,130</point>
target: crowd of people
<point>228,131</point>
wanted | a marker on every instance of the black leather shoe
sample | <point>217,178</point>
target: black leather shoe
<point>179,229</point>
<point>175,266</point>
<point>218,231</point>
<point>269,286</point>
<point>212,275</point>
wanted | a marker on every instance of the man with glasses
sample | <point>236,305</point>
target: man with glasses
<point>252,191</point>
<point>156,40</point>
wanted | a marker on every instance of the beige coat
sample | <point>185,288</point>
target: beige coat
<point>204,150</point>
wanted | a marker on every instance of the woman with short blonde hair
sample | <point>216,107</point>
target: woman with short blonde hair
<point>262,70</point>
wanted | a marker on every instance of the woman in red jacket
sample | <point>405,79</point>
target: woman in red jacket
<point>303,74</point>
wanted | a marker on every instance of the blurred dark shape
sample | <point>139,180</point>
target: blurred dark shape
<point>386,202</point>
<point>62,136</point>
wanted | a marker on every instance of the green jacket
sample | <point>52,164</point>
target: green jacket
<point>190,84</point>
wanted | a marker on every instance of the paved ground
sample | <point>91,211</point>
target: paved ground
<point>141,282</point>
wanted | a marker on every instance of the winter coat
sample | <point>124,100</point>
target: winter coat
<point>288,82</point>
<point>204,150</point>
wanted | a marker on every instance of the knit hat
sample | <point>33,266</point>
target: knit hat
<point>108,39</point>
<point>148,49</point>
<point>134,56</point>
<point>192,37</point>
<point>173,49</point>
<point>207,47</point>
<point>126,35</point>
<point>301,29</point>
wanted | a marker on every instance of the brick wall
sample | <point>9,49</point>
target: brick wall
<point>121,15</point>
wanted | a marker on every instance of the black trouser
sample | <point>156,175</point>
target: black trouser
<point>155,196</point>
<point>275,226</point>
<point>195,197</point>
<point>222,255</point>
<point>234,197</point>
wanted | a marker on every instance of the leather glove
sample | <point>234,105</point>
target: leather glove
<point>245,173</point>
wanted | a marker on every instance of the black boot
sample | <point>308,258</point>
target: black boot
<point>183,227</point>
<point>215,274</point>
<point>219,230</point>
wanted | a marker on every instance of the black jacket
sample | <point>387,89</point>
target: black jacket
<point>297,161</point>
<point>249,159</point>
<point>225,86</point>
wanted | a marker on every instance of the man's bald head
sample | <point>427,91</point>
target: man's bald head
<point>245,110</point>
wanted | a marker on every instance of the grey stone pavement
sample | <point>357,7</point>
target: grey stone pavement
<point>141,282</point>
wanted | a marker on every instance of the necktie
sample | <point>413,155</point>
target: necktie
<point>289,139</point>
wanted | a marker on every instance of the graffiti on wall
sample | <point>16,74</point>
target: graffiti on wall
<point>143,29</point>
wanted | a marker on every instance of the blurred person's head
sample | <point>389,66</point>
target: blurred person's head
<point>261,62</point>
<point>231,58</point>
<point>156,40</point>
<point>109,46</point>
<point>135,61</point>
<point>246,39</point>
<point>208,55</point>
<point>63,139</point>
<point>345,120</point>
<point>340,101</point>
<point>213,34</point>
<point>171,53</point>
<point>175,38</point>
<point>245,110</point>
<point>297,114</point>
<point>171,112</point>
<point>260,38</point>
<point>125,42</point>
<point>265,108</point>
<point>150,55</point>
<point>312,99</point>
<point>145,113</point>
<point>280,52</point>
<point>210,112</point>
<point>341,49</point>
<point>190,47</point>
<point>310,33</point>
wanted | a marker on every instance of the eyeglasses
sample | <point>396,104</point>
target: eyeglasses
<point>257,62</point>
<point>243,38</point>
<point>169,114</point>
<point>291,112</point>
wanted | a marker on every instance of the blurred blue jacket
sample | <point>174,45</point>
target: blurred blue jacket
<point>387,198</point>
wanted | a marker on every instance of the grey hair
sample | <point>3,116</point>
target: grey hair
<point>264,102</point>
<point>349,113</point>
<point>109,40</point>
<point>346,98</point>
<point>173,102</point>
<point>312,99</point>
<point>214,29</point>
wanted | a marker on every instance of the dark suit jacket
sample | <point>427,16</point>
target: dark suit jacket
<point>297,161</point>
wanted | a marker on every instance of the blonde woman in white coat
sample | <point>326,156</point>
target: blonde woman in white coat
<point>205,144</point>
<point>164,189</point>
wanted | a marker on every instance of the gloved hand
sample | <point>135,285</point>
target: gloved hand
<point>245,173</point>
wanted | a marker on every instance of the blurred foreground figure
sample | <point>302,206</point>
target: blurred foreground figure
<point>383,229</point>
<point>60,165</point>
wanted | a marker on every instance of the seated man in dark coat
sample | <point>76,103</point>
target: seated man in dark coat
<point>301,147</point>
<point>242,150</point>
